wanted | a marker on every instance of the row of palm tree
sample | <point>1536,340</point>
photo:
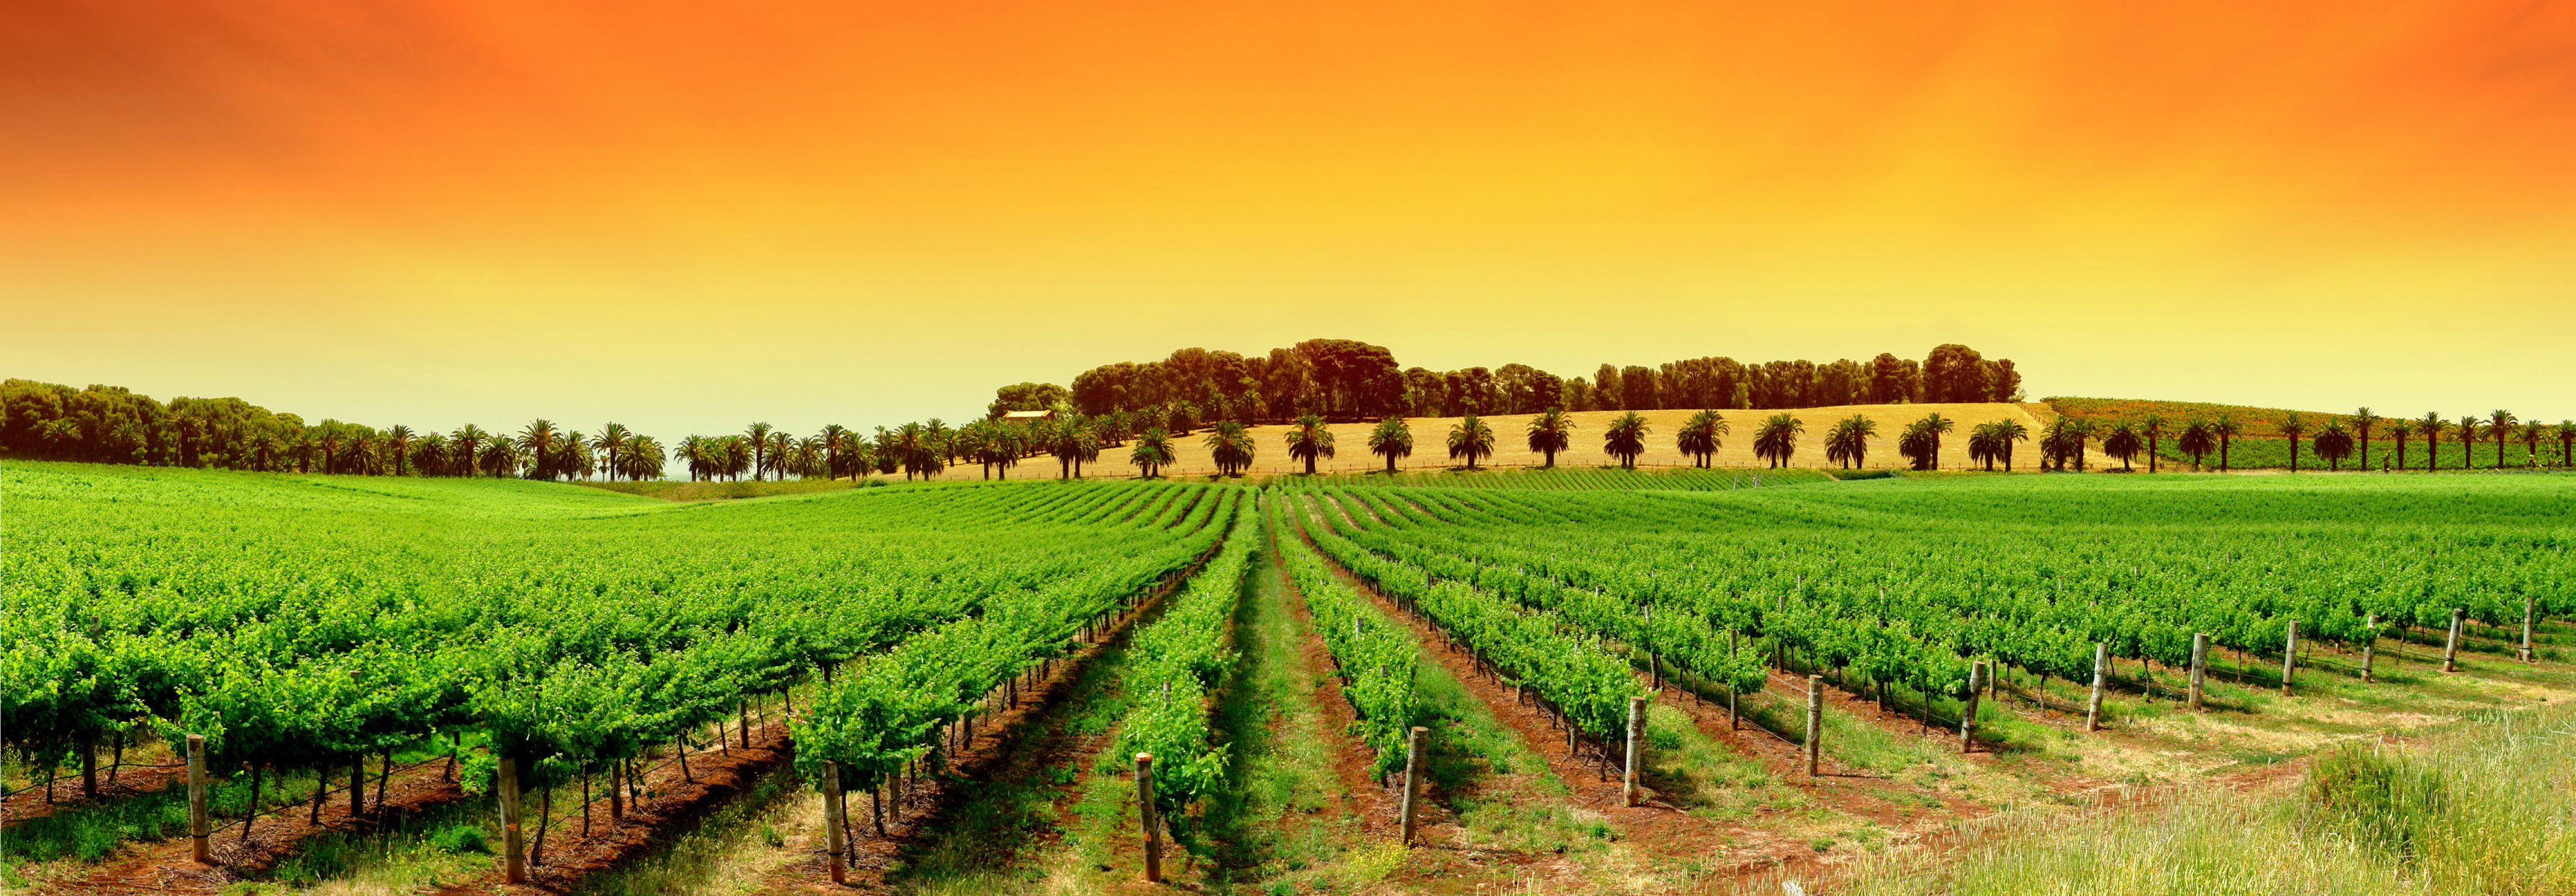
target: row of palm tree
<point>2338,438</point>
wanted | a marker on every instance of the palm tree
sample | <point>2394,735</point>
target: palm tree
<point>467,443</point>
<point>2363,421</point>
<point>2432,424</point>
<point>2225,428</point>
<point>1625,438</point>
<point>611,440</point>
<point>1848,442</point>
<point>2567,443</point>
<point>1917,443</point>
<point>1981,446</point>
<point>500,458</point>
<point>2006,433</point>
<point>2500,424</point>
<point>2334,444</point>
<point>1393,440</point>
<point>2471,430</point>
<point>1309,439</point>
<point>1549,433</point>
<point>536,445</point>
<point>2399,429</point>
<point>2533,431</point>
<point>758,433</point>
<point>1230,447</point>
<point>1471,439</point>
<point>398,444</point>
<point>1936,426</point>
<point>2197,440</point>
<point>2123,443</point>
<point>836,446</point>
<point>1701,436</point>
<point>2153,428</point>
<point>643,457</point>
<point>1777,440</point>
<point>780,446</point>
<point>1152,452</point>
<point>2293,427</point>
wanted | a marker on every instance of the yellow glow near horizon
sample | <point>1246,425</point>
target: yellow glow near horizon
<point>677,217</point>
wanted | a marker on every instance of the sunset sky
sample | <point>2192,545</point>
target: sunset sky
<point>689,216</point>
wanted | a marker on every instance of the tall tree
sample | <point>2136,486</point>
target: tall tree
<point>610,442</point>
<point>1550,432</point>
<point>1777,440</point>
<point>2533,431</point>
<point>2123,443</point>
<point>2432,424</point>
<point>1701,436</point>
<point>2334,444</point>
<point>1471,439</point>
<point>2471,430</point>
<point>1152,452</point>
<point>1230,447</point>
<point>1625,438</point>
<point>2363,421</point>
<point>2198,441</point>
<point>2399,429</point>
<point>2225,428</point>
<point>1309,439</point>
<point>1391,439</point>
<point>758,435</point>
<point>1848,442</point>
<point>2153,428</point>
<point>2500,425</point>
<point>2292,428</point>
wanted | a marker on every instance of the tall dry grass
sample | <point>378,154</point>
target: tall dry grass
<point>2488,807</point>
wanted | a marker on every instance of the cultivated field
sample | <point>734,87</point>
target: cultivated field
<point>659,695</point>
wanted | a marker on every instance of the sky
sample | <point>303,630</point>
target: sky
<point>685,217</point>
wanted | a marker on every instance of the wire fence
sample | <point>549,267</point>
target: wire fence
<point>327,790</point>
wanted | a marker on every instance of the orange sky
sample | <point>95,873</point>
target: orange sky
<point>685,216</point>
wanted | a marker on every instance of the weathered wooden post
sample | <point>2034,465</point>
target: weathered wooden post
<point>832,822</point>
<point>2369,644</point>
<point>1815,720</point>
<point>2093,707</point>
<point>1145,813</point>
<point>514,857</point>
<point>1968,715</point>
<point>2289,657</point>
<point>2199,666</point>
<point>1636,739</point>
<point>197,829</point>
<point>2528,604</point>
<point>1416,742</point>
<point>2451,649</point>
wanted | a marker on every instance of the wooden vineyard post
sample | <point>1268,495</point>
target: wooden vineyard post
<point>1416,742</point>
<point>2451,648</point>
<point>197,798</point>
<point>1815,720</point>
<point>514,867</point>
<point>1968,716</point>
<point>832,822</point>
<point>1636,738</point>
<point>1145,814</point>
<point>2528,604</point>
<point>2199,666</point>
<point>2369,644</point>
<point>2289,657</point>
<point>2093,707</point>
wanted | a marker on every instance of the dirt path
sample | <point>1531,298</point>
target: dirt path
<point>1360,798</point>
<point>131,781</point>
<point>1014,744</point>
<point>168,866</point>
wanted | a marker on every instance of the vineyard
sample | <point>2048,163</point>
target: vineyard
<point>1586,680</point>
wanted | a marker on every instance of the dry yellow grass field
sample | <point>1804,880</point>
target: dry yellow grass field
<point>1511,442</point>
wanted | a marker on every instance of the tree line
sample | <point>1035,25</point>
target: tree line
<point>2331,438</point>
<point>1342,379</point>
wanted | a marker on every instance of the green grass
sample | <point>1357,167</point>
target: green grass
<point>2481,808</point>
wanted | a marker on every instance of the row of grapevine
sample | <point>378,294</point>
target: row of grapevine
<point>1593,479</point>
<point>1569,670</point>
<point>895,708</point>
<point>1175,666</point>
<point>302,622</point>
<point>1374,658</point>
<point>1879,583</point>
